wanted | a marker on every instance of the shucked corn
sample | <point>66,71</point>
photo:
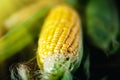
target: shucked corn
<point>60,37</point>
<point>60,33</point>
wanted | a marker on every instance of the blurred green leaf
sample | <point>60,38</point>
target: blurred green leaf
<point>102,25</point>
<point>86,66</point>
<point>22,35</point>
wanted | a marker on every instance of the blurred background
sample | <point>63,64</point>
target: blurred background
<point>96,65</point>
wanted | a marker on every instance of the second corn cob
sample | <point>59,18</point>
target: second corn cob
<point>25,13</point>
<point>60,43</point>
<point>7,7</point>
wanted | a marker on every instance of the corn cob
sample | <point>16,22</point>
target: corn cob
<point>102,25</point>
<point>60,42</point>
<point>26,12</point>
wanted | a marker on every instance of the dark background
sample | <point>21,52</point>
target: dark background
<point>101,66</point>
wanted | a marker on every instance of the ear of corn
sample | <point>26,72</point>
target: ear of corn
<point>22,35</point>
<point>60,43</point>
<point>102,24</point>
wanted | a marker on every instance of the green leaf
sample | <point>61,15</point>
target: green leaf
<point>102,25</point>
<point>22,35</point>
<point>67,76</point>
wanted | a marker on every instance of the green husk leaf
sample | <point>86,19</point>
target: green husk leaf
<point>67,76</point>
<point>102,25</point>
<point>22,35</point>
